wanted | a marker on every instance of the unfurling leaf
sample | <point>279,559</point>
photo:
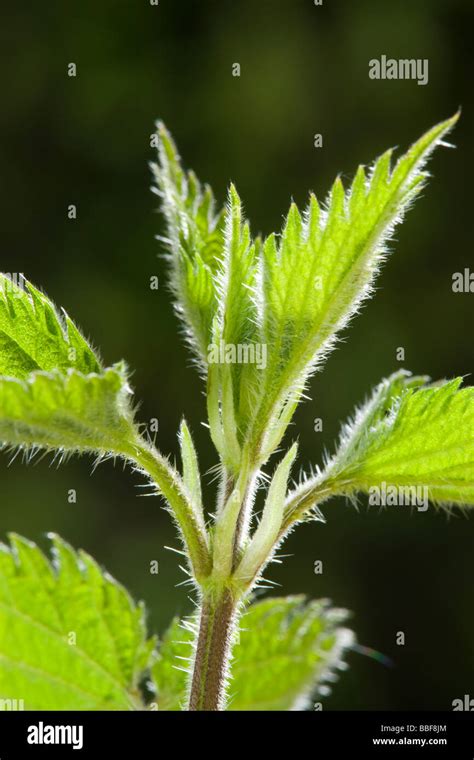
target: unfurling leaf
<point>288,297</point>
<point>194,241</point>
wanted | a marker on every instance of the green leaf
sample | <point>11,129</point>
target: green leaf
<point>411,436</point>
<point>236,277</point>
<point>54,392</point>
<point>408,436</point>
<point>213,269</point>
<point>71,411</point>
<point>260,550</point>
<point>286,649</point>
<point>316,276</point>
<point>170,670</point>
<point>233,330</point>
<point>195,242</point>
<point>33,336</point>
<point>191,475</point>
<point>70,636</point>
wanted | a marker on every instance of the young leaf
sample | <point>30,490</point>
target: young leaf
<point>406,436</point>
<point>171,666</point>
<point>33,336</point>
<point>70,636</point>
<point>426,439</point>
<point>55,395</point>
<point>320,271</point>
<point>195,242</point>
<point>213,268</point>
<point>235,276</point>
<point>54,392</point>
<point>71,411</point>
<point>233,329</point>
<point>286,649</point>
<point>191,476</point>
<point>259,551</point>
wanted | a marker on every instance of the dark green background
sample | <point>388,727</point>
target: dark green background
<point>85,140</point>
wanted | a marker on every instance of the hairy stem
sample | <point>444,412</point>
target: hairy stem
<point>309,495</point>
<point>190,521</point>
<point>212,653</point>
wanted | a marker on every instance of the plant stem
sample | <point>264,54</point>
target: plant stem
<point>212,652</point>
<point>189,519</point>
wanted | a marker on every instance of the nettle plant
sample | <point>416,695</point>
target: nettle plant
<point>260,317</point>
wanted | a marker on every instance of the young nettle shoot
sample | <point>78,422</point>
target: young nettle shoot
<point>260,317</point>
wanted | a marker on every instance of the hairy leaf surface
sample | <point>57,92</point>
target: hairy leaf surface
<point>54,392</point>
<point>34,336</point>
<point>195,242</point>
<point>424,436</point>
<point>71,411</point>
<point>408,436</point>
<point>70,636</point>
<point>317,273</point>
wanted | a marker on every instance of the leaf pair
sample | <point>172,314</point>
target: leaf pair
<point>288,297</point>
<point>291,295</point>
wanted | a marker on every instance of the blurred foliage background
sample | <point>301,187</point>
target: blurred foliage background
<point>86,141</point>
